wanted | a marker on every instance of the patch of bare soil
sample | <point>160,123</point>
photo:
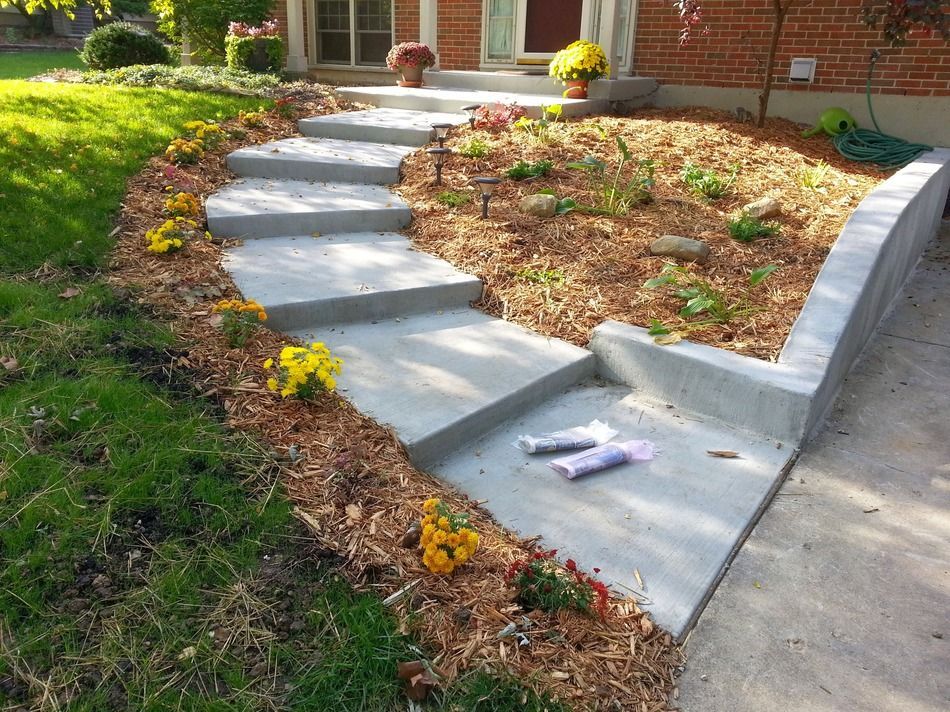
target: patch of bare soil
<point>357,491</point>
<point>605,260</point>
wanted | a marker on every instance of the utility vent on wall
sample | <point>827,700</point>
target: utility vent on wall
<point>802,70</point>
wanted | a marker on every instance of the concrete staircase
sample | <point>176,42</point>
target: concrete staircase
<point>321,253</point>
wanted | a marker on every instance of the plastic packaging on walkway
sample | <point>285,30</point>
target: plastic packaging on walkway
<point>596,433</point>
<point>600,458</point>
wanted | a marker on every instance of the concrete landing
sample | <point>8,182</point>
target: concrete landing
<point>677,519</point>
<point>442,379</point>
<point>306,281</point>
<point>257,207</point>
<point>445,99</point>
<point>838,601</point>
<point>316,159</point>
<point>397,126</point>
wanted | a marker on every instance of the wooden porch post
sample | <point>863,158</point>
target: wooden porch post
<point>609,24</point>
<point>187,53</point>
<point>296,54</point>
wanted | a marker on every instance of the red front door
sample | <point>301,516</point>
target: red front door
<point>551,25</point>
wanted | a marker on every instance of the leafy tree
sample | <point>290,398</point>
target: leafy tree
<point>207,21</point>
<point>28,7</point>
<point>897,19</point>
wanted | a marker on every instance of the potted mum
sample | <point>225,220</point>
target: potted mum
<point>409,59</point>
<point>577,65</point>
<point>259,49</point>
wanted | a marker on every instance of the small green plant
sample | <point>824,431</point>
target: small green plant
<point>522,169</point>
<point>541,584</point>
<point>617,193</point>
<point>541,276</point>
<point>748,228</point>
<point>475,148</point>
<point>813,176</point>
<point>708,183</point>
<point>702,298</point>
<point>453,200</point>
<point>539,129</point>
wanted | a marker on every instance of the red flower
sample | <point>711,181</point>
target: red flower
<point>596,570</point>
<point>570,565</point>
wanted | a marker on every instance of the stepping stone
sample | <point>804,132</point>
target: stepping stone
<point>441,380</point>
<point>306,281</point>
<point>320,159</point>
<point>676,519</point>
<point>259,207</point>
<point>399,126</point>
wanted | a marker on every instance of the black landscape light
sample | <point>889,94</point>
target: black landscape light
<point>438,156</point>
<point>441,132</point>
<point>471,109</point>
<point>487,186</point>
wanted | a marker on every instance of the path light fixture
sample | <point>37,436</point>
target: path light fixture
<point>438,156</point>
<point>487,186</point>
<point>471,109</point>
<point>441,132</point>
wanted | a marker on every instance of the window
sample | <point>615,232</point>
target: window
<point>501,30</point>
<point>338,43</point>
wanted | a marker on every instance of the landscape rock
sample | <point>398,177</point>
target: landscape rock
<point>541,205</point>
<point>764,208</point>
<point>681,248</point>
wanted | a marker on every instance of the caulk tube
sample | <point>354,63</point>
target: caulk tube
<point>600,458</point>
<point>596,433</point>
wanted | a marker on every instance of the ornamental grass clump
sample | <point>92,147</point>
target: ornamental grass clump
<point>182,205</point>
<point>543,585</point>
<point>304,371</point>
<point>410,54</point>
<point>239,319</point>
<point>447,540</point>
<point>172,235</point>
<point>579,61</point>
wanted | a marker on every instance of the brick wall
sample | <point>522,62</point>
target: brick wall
<point>406,28</point>
<point>460,34</point>
<point>734,52</point>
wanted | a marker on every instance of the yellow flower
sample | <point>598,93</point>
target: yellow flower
<point>272,384</point>
<point>268,363</point>
<point>444,524</point>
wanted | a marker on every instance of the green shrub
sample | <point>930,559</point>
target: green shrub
<point>475,148</point>
<point>707,183</point>
<point>240,52</point>
<point>120,44</point>
<point>453,200</point>
<point>207,21</point>
<point>523,169</point>
<point>747,228</point>
<point>195,78</point>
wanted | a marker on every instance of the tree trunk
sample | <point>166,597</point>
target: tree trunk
<point>777,22</point>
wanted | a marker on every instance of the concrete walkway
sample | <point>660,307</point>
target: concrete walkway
<point>840,599</point>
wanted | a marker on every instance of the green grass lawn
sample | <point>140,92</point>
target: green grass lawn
<point>22,65</point>
<point>148,559</point>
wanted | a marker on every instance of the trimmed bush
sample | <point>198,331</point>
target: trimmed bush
<point>120,44</point>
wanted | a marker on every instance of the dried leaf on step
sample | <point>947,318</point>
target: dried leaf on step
<point>667,339</point>
<point>723,453</point>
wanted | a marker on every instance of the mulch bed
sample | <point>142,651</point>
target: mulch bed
<point>605,260</point>
<point>357,491</point>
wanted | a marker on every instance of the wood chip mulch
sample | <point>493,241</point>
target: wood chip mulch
<point>357,492</point>
<point>605,260</point>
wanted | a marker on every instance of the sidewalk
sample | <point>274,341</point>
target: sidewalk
<point>840,599</point>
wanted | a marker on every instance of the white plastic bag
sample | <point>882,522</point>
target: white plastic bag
<point>596,433</point>
<point>600,458</point>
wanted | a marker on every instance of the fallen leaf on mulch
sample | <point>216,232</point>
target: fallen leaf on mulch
<point>9,363</point>
<point>69,293</point>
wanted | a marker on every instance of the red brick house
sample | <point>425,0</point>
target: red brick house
<point>347,40</point>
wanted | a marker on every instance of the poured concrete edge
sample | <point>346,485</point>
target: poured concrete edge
<point>786,400</point>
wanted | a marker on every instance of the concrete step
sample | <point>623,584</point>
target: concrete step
<point>619,89</point>
<point>260,207</point>
<point>445,99</point>
<point>442,379</point>
<point>399,126</point>
<point>320,159</point>
<point>676,520</point>
<point>306,281</point>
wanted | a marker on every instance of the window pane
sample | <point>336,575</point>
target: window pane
<point>501,29</point>
<point>334,47</point>
<point>372,47</point>
<point>374,15</point>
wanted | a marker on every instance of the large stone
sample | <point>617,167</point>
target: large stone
<point>681,248</point>
<point>541,205</point>
<point>764,208</point>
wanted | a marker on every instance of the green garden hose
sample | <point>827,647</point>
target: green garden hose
<point>875,146</point>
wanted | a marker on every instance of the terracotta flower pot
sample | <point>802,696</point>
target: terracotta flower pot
<point>576,89</point>
<point>410,76</point>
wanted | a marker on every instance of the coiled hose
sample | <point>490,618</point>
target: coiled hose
<point>876,146</point>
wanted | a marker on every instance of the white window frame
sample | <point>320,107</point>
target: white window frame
<point>313,31</point>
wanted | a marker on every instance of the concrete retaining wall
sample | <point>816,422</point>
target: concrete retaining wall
<point>873,256</point>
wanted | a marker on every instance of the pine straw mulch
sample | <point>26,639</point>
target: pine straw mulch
<point>606,260</point>
<point>357,492</point>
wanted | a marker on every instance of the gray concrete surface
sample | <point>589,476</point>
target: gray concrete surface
<point>320,159</point>
<point>258,207</point>
<point>840,598</point>
<point>398,126</point>
<point>306,281</point>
